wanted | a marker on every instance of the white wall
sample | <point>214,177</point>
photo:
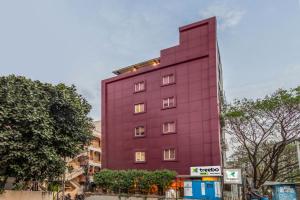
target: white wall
<point>25,195</point>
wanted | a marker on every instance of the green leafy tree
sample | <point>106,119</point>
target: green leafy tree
<point>40,125</point>
<point>262,132</point>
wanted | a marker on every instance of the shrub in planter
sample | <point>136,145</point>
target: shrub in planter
<point>104,179</point>
<point>132,181</point>
<point>163,179</point>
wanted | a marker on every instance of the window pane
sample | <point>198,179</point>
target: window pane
<point>143,156</point>
<point>168,79</point>
<point>165,80</point>
<point>142,85</point>
<point>142,130</point>
<point>169,154</point>
<point>139,108</point>
<point>172,127</point>
<point>172,101</point>
<point>136,87</point>
<point>165,128</point>
<point>169,102</point>
<point>139,86</point>
<point>137,156</point>
<point>136,108</point>
<point>169,127</point>
<point>142,107</point>
<point>136,131</point>
<point>171,78</point>
<point>139,131</point>
<point>165,103</point>
<point>165,154</point>
<point>172,154</point>
<point>140,156</point>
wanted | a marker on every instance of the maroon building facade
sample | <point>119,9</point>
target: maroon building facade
<point>165,113</point>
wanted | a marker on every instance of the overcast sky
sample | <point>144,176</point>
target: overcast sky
<point>82,41</point>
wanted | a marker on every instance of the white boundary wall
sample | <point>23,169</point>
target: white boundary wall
<point>25,195</point>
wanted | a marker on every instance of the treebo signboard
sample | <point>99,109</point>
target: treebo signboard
<point>232,176</point>
<point>206,171</point>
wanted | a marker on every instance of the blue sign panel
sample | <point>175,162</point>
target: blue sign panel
<point>285,192</point>
<point>196,189</point>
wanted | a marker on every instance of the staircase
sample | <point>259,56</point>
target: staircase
<point>73,188</point>
<point>72,185</point>
<point>75,173</point>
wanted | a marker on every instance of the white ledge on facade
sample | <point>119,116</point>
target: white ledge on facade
<point>95,149</point>
<point>94,163</point>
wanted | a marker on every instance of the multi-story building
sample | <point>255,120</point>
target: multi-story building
<point>164,113</point>
<point>95,150</point>
<point>89,160</point>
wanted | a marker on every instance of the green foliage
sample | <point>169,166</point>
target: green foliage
<point>133,180</point>
<point>104,179</point>
<point>40,124</point>
<point>262,132</point>
<point>54,187</point>
<point>146,180</point>
<point>163,178</point>
<point>19,186</point>
<point>2,183</point>
<point>280,99</point>
<point>289,164</point>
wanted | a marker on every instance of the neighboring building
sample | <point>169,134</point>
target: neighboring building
<point>164,113</point>
<point>90,159</point>
<point>95,150</point>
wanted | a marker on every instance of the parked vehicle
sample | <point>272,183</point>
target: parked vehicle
<point>254,195</point>
<point>79,197</point>
<point>68,197</point>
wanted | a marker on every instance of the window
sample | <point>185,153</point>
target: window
<point>169,127</point>
<point>140,156</point>
<point>168,79</point>
<point>140,86</point>
<point>169,102</point>
<point>139,108</point>
<point>169,154</point>
<point>139,131</point>
<point>97,157</point>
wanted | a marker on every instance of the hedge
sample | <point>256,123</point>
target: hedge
<point>134,181</point>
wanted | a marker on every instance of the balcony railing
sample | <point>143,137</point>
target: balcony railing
<point>93,163</point>
<point>94,149</point>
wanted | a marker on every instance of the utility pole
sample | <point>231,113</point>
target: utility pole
<point>63,182</point>
<point>298,145</point>
<point>64,175</point>
<point>298,151</point>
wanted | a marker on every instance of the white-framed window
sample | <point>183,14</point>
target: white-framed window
<point>168,79</point>
<point>140,86</point>
<point>140,156</point>
<point>169,102</point>
<point>169,127</point>
<point>169,154</point>
<point>139,131</point>
<point>139,108</point>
